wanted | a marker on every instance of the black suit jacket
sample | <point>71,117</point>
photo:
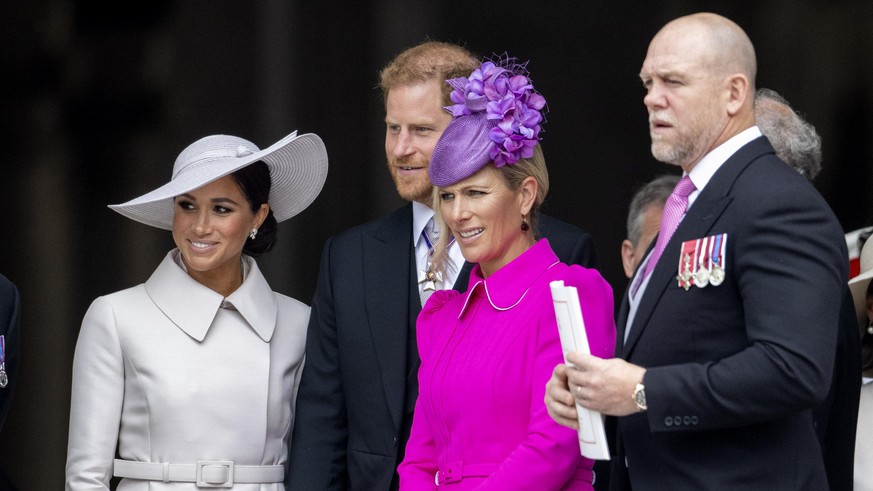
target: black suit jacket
<point>351,422</point>
<point>9,327</point>
<point>734,371</point>
<point>836,419</point>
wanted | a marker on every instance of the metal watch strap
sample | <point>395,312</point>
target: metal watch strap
<point>639,397</point>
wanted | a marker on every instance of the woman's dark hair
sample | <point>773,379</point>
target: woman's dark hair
<point>867,340</point>
<point>254,180</point>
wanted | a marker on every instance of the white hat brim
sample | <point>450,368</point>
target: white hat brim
<point>859,284</point>
<point>298,170</point>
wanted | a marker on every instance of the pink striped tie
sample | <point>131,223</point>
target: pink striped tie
<point>674,209</point>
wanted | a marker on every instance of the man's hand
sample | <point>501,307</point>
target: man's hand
<point>605,386</point>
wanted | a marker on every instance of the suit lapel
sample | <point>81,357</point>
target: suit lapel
<point>621,319</point>
<point>707,208</point>
<point>387,280</point>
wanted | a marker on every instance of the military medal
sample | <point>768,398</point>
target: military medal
<point>3,378</point>
<point>701,275</point>
<point>685,276</point>
<point>717,259</point>
<point>429,278</point>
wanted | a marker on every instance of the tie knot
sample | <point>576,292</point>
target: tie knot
<point>684,187</point>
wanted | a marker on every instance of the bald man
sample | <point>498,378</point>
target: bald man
<point>726,337</point>
<point>794,140</point>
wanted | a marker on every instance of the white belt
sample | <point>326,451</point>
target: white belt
<point>205,473</point>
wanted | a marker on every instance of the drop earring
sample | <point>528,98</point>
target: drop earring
<point>253,234</point>
<point>524,226</point>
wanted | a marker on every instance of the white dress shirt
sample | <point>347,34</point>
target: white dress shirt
<point>421,214</point>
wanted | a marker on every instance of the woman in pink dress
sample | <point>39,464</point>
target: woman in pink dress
<point>486,355</point>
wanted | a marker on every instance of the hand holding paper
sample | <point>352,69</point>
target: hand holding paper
<point>571,327</point>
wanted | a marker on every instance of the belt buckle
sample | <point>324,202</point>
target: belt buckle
<point>227,483</point>
<point>453,472</point>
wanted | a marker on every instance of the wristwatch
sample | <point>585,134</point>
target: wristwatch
<point>639,397</point>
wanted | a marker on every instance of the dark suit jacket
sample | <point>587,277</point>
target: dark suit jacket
<point>351,421</point>
<point>9,327</point>
<point>836,419</point>
<point>734,371</point>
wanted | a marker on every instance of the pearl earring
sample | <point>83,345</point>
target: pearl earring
<point>870,328</point>
<point>253,234</point>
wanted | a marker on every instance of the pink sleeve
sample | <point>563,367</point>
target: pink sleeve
<point>418,469</point>
<point>596,300</point>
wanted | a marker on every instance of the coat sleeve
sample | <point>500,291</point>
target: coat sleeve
<point>97,394</point>
<point>598,306</point>
<point>318,445</point>
<point>298,375</point>
<point>789,272</point>
<point>417,471</point>
<point>10,317</point>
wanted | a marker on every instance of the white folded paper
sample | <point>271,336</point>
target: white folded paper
<point>571,327</point>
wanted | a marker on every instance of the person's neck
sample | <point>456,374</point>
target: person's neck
<point>224,281</point>
<point>520,247</point>
<point>733,127</point>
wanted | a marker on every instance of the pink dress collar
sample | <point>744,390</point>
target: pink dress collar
<point>508,285</point>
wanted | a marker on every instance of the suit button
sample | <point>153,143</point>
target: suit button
<point>686,420</point>
<point>694,420</point>
<point>668,421</point>
<point>395,441</point>
<point>677,420</point>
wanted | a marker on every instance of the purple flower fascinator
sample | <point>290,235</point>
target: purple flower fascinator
<point>498,118</point>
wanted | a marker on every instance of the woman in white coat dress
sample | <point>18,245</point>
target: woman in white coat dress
<point>188,380</point>
<point>862,293</point>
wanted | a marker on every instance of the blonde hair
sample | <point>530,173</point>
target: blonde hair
<point>513,175</point>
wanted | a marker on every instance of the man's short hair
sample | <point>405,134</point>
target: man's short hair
<point>794,139</point>
<point>430,60</point>
<point>655,192</point>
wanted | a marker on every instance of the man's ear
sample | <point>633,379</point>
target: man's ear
<point>627,258</point>
<point>738,93</point>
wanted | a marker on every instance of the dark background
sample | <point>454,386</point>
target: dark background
<point>98,99</point>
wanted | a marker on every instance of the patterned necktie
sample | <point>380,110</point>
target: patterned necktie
<point>674,210</point>
<point>430,280</point>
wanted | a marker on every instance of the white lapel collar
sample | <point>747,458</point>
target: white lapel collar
<point>256,302</point>
<point>192,307</point>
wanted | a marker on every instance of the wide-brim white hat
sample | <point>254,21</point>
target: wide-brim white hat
<point>298,169</point>
<point>859,284</point>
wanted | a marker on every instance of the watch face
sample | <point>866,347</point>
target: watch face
<point>640,397</point>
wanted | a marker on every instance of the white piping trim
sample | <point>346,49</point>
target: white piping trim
<point>488,295</point>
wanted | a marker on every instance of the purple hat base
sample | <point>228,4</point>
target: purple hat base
<point>462,150</point>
